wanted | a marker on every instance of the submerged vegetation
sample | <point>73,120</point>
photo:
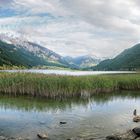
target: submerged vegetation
<point>56,86</point>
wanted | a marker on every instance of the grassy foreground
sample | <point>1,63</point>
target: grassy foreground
<point>52,86</point>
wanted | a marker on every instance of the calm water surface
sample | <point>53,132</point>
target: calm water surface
<point>96,118</point>
<point>68,72</point>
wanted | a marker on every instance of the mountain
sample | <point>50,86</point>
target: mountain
<point>47,55</point>
<point>129,59</point>
<point>15,51</point>
<point>83,61</point>
<point>13,55</point>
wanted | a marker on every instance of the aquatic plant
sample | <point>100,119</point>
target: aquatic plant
<point>56,86</point>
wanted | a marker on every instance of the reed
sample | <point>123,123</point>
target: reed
<point>55,86</point>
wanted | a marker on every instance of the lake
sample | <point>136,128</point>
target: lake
<point>97,117</point>
<point>69,72</point>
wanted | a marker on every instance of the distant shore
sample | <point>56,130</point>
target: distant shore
<point>56,86</point>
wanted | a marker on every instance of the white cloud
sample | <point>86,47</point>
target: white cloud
<point>33,7</point>
<point>77,27</point>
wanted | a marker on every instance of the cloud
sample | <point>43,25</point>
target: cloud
<point>76,27</point>
<point>33,7</point>
<point>114,15</point>
<point>3,2</point>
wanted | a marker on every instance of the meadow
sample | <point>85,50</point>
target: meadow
<point>56,86</point>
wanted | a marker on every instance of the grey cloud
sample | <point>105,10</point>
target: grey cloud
<point>105,14</point>
<point>79,27</point>
<point>5,1</point>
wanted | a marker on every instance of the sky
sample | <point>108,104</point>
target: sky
<point>74,27</point>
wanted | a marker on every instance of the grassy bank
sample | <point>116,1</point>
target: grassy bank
<point>53,86</point>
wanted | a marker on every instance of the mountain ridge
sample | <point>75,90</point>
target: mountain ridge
<point>83,61</point>
<point>21,56</point>
<point>129,59</point>
<point>46,55</point>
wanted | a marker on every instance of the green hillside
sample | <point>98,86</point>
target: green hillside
<point>12,55</point>
<point>129,59</point>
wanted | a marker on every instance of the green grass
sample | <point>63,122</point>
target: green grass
<point>54,86</point>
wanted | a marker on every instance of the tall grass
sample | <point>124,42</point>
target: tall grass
<point>52,86</point>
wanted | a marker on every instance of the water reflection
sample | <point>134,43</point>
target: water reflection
<point>40,104</point>
<point>101,115</point>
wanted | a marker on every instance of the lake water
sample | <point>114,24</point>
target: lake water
<point>69,72</point>
<point>97,117</point>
